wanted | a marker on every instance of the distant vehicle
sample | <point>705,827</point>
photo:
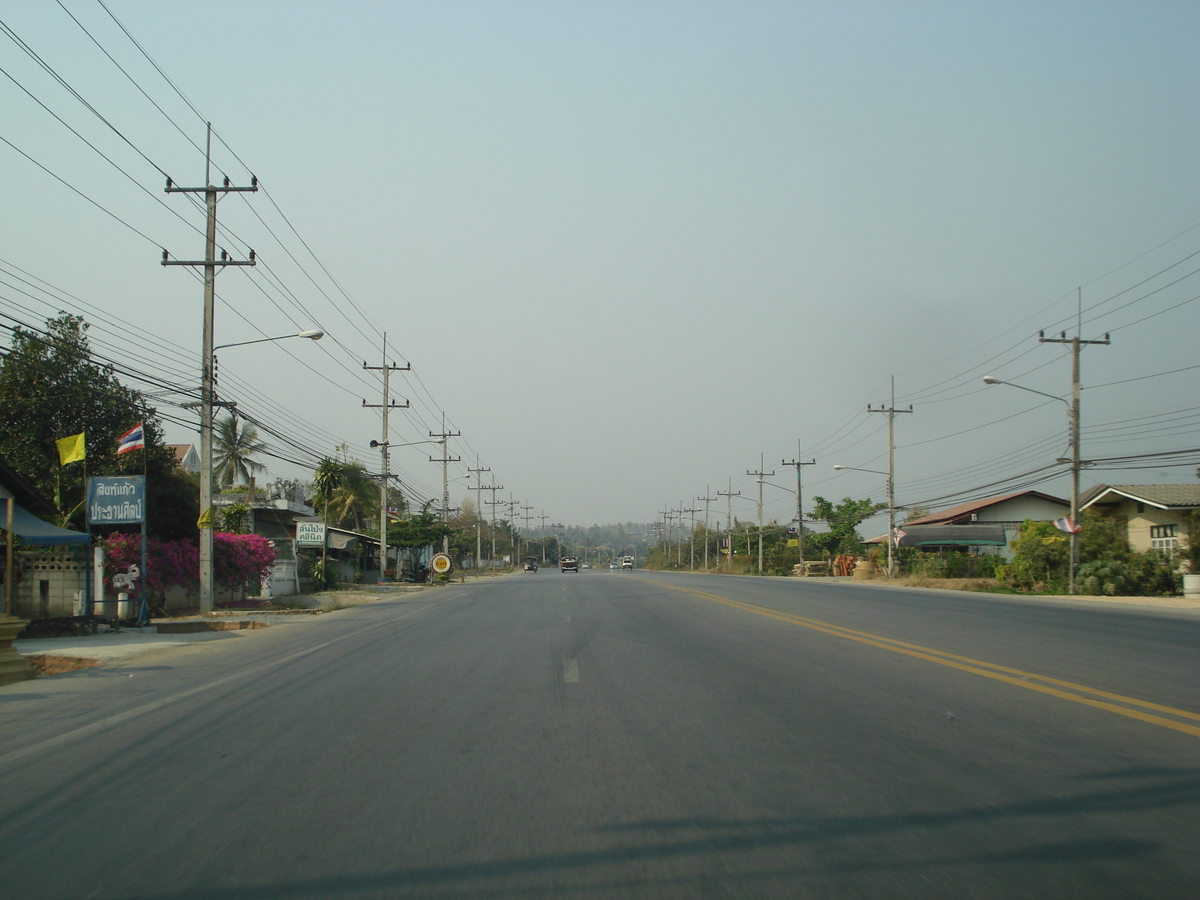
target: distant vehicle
<point>569,564</point>
<point>531,564</point>
<point>585,566</point>
<point>626,562</point>
<point>614,565</point>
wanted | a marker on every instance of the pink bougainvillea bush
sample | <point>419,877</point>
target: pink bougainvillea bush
<point>237,559</point>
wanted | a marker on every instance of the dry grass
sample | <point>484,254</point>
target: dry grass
<point>986,585</point>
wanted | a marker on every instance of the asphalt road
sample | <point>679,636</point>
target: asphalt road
<point>612,734</point>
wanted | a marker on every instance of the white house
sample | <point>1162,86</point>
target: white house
<point>187,457</point>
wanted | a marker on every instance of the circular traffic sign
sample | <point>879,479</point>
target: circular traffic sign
<point>441,564</point>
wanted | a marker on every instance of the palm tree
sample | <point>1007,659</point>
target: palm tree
<point>234,449</point>
<point>326,478</point>
<point>354,495</point>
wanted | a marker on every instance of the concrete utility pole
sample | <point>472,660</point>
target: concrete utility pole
<point>493,503</point>
<point>891,482</point>
<point>544,519</point>
<point>479,489</point>
<point>706,500</point>
<point>799,501</point>
<point>528,519</point>
<point>210,264</point>
<point>382,444</point>
<point>691,536</point>
<point>729,495</point>
<point>1076,461</point>
<point>445,461</point>
<point>759,477</point>
<point>512,528</point>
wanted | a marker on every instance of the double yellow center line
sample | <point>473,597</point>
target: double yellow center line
<point>1131,707</point>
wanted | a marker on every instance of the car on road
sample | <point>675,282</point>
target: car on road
<point>569,564</point>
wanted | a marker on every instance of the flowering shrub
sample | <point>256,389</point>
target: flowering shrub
<point>237,559</point>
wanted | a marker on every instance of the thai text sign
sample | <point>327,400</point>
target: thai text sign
<point>116,500</point>
<point>310,534</point>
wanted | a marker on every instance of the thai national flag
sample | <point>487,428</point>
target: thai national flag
<point>1067,524</point>
<point>133,439</point>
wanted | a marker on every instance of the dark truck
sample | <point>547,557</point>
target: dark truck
<point>569,564</point>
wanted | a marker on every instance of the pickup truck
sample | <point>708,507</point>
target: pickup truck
<point>569,564</point>
<point>626,562</point>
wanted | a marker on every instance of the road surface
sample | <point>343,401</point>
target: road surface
<point>615,734</point>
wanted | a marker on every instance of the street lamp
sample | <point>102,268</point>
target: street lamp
<point>1076,464</point>
<point>312,334</point>
<point>206,452</point>
<point>891,538</point>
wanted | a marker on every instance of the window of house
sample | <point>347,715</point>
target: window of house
<point>1164,538</point>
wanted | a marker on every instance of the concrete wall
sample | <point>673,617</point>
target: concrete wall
<point>50,582</point>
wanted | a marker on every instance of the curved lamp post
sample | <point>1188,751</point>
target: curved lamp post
<point>1074,460</point>
<point>891,539</point>
<point>206,469</point>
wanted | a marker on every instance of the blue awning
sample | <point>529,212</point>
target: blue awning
<point>34,531</point>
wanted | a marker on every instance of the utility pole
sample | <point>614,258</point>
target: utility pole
<point>706,500</point>
<point>891,482</point>
<point>691,537</point>
<point>479,489</point>
<point>528,518</point>
<point>759,477</point>
<point>493,503</point>
<point>729,495</point>
<point>512,528</point>
<point>1076,461</point>
<point>679,547</point>
<point>543,517</point>
<point>799,501</point>
<point>445,461</point>
<point>382,444</point>
<point>210,264</point>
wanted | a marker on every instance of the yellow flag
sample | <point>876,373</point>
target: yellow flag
<point>71,449</point>
<point>206,518</point>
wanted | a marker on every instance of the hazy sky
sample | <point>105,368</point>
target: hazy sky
<point>629,247</point>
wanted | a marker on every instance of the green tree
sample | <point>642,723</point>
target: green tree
<point>843,520</point>
<point>52,387</point>
<point>1041,557</point>
<point>235,518</point>
<point>418,530</point>
<point>327,476</point>
<point>354,498</point>
<point>234,449</point>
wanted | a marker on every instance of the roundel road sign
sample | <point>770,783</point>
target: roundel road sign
<point>441,564</point>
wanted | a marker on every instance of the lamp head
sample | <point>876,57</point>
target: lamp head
<point>313,334</point>
<point>991,379</point>
<point>839,468</point>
